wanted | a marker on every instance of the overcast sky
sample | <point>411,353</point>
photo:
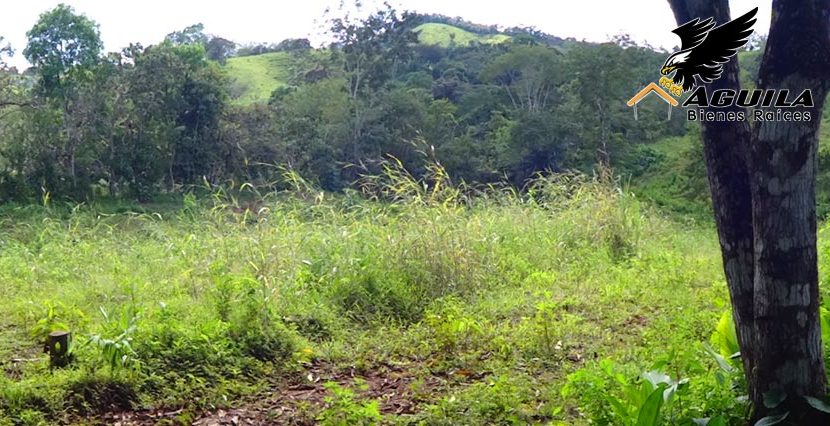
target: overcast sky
<point>148,21</point>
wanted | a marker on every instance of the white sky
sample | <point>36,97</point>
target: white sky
<point>148,21</point>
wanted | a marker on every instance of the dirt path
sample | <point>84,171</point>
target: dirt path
<point>294,399</point>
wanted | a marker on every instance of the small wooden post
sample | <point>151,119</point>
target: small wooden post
<point>58,344</point>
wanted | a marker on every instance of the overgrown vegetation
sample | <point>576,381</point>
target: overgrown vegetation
<point>570,303</point>
<point>511,278</point>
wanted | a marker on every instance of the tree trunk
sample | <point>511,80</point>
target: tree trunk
<point>725,148</point>
<point>603,156</point>
<point>786,305</point>
<point>763,194</point>
<point>783,181</point>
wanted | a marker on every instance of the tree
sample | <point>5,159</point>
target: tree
<point>60,41</point>
<point>294,45</point>
<point>5,50</point>
<point>596,87</point>
<point>219,49</point>
<point>178,98</point>
<point>315,127</point>
<point>529,74</point>
<point>762,180</point>
<point>371,51</point>
<point>65,48</point>
<point>7,88</point>
<point>194,34</point>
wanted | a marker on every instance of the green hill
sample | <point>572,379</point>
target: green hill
<point>443,35</point>
<point>255,77</point>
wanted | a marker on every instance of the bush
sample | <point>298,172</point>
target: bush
<point>99,394</point>
<point>344,408</point>
<point>368,297</point>
<point>274,343</point>
<point>452,328</point>
<point>253,324</point>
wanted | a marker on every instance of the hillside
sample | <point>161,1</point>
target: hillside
<point>443,35</point>
<point>255,77</point>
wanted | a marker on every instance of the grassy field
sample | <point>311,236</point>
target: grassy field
<point>431,307</point>
<point>443,35</point>
<point>255,77</point>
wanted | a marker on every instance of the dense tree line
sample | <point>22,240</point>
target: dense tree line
<point>151,119</point>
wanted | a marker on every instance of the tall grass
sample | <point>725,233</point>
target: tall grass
<point>215,293</point>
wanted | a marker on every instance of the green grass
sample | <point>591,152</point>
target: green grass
<point>256,77</point>
<point>496,308</point>
<point>677,180</point>
<point>443,35</point>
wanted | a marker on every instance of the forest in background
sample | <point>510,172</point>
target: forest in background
<point>81,124</point>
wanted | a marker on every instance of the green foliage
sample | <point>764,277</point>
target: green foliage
<point>678,182</point>
<point>637,402</point>
<point>500,400</point>
<point>478,300</point>
<point>530,75</point>
<point>453,329</point>
<point>344,408</point>
<point>344,247</point>
<point>194,34</point>
<point>373,297</point>
<point>96,394</point>
<point>547,328</point>
<point>725,339</point>
<point>611,397</point>
<point>115,344</point>
<point>60,43</point>
<point>162,118</point>
<point>124,125</point>
<point>57,317</point>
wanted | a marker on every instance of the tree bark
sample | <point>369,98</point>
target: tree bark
<point>763,193</point>
<point>725,149</point>
<point>783,181</point>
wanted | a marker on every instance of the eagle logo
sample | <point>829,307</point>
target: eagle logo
<point>704,50</point>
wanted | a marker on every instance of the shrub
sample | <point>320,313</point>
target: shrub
<point>344,408</point>
<point>97,394</point>
<point>367,297</point>
<point>254,327</point>
<point>452,328</point>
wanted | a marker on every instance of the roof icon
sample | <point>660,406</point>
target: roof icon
<point>652,87</point>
